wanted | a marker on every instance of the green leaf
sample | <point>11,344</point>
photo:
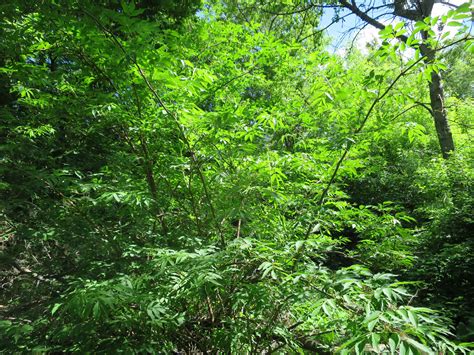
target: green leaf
<point>413,318</point>
<point>371,324</point>
<point>96,310</point>
<point>393,342</point>
<point>419,346</point>
<point>299,245</point>
<point>375,340</point>
<point>55,308</point>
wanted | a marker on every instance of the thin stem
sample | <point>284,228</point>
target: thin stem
<point>171,114</point>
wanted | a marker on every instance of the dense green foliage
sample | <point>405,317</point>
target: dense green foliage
<point>178,180</point>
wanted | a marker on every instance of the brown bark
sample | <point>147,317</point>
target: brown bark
<point>440,116</point>
<point>438,110</point>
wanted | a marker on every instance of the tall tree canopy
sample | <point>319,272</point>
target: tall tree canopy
<point>181,177</point>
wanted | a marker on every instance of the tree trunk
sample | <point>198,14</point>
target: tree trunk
<point>440,116</point>
<point>438,110</point>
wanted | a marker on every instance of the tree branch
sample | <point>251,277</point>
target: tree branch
<point>161,103</point>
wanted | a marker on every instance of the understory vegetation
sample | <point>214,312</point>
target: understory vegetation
<point>210,177</point>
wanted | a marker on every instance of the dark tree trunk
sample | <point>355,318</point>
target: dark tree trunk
<point>423,8</point>
<point>440,116</point>
<point>438,110</point>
